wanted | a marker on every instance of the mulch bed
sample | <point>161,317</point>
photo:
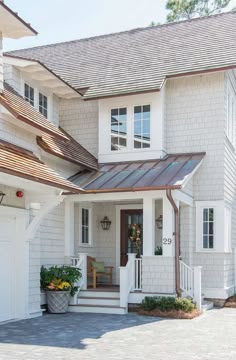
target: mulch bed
<point>174,314</point>
<point>231,302</point>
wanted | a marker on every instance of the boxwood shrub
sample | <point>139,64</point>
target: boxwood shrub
<point>167,303</point>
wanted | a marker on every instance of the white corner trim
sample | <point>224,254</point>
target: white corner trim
<point>49,205</point>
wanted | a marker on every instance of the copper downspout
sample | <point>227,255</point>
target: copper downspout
<point>177,246</point>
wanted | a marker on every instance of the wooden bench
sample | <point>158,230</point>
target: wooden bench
<point>91,272</point>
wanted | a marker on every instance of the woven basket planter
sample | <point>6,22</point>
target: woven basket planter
<point>58,301</point>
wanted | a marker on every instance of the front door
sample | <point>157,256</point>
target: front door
<point>129,217</point>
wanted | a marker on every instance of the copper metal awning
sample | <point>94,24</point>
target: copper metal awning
<point>172,172</point>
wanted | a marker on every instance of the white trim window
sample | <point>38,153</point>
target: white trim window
<point>213,226</point>
<point>141,134</point>
<point>85,221</point>
<point>29,93</point>
<point>208,219</point>
<point>231,113</point>
<point>43,104</point>
<point>118,129</point>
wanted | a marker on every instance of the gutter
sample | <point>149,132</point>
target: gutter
<point>177,241</point>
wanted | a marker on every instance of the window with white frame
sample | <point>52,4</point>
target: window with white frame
<point>231,113</point>
<point>43,104</point>
<point>213,226</point>
<point>208,228</point>
<point>118,129</point>
<point>141,134</point>
<point>85,226</point>
<point>29,94</point>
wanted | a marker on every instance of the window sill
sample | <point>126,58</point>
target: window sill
<point>85,245</point>
<point>213,251</point>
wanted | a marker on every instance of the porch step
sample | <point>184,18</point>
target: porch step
<point>98,309</point>
<point>96,293</point>
<point>87,300</point>
<point>207,305</point>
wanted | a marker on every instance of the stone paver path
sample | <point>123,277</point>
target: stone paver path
<point>110,337</point>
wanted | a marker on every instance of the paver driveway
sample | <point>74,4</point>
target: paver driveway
<point>91,336</point>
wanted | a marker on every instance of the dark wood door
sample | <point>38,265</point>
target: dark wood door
<point>128,217</point>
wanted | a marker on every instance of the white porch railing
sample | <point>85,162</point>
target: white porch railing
<point>190,282</point>
<point>81,263</point>
<point>138,274</point>
<point>130,278</point>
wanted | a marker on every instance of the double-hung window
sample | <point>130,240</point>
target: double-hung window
<point>141,134</point>
<point>208,228</point>
<point>118,128</point>
<point>130,127</point>
<point>85,227</point>
<point>43,104</point>
<point>29,94</point>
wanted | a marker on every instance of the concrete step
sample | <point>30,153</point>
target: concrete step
<point>99,293</point>
<point>98,309</point>
<point>207,305</point>
<point>87,300</point>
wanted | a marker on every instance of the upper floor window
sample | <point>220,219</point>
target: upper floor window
<point>135,131</point>
<point>43,104</point>
<point>118,128</point>
<point>141,134</point>
<point>208,228</point>
<point>231,114</point>
<point>29,94</point>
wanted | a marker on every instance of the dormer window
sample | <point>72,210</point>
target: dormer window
<point>141,127</point>
<point>43,105</point>
<point>29,94</point>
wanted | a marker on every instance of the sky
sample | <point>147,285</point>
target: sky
<point>64,20</point>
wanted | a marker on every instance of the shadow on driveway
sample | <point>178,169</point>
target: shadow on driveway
<point>67,330</point>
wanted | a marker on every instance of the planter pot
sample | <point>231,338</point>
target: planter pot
<point>58,301</point>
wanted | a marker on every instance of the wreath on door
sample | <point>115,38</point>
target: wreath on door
<point>135,235</point>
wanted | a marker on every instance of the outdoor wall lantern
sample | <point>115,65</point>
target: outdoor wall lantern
<point>159,222</point>
<point>105,223</point>
<point>1,196</point>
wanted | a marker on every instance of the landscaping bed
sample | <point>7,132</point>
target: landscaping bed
<point>169,307</point>
<point>231,302</point>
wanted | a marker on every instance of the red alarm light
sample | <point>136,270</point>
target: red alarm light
<point>19,194</point>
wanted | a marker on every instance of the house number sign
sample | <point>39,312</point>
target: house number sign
<point>167,241</point>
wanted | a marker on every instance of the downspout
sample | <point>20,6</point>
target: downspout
<point>177,241</point>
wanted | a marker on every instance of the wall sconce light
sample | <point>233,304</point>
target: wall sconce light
<point>1,196</point>
<point>105,223</point>
<point>159,222</point>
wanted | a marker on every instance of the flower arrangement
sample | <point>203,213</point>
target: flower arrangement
<point>135,235</point>
<point>60,278</point>
<point>58,285</point>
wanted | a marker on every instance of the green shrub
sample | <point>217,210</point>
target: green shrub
<point>66,273</point>
<point>167,303</point>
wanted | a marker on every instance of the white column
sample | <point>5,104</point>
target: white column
<point>131,259</point>
<point>83,268</point>
<point>168,239</point>
<point>69,229</point>
<point>148,225</point>
<point>197,286</point>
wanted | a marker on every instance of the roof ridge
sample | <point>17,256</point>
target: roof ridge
<point>174,23</point>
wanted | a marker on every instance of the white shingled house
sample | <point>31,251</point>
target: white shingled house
<point>121,148</point>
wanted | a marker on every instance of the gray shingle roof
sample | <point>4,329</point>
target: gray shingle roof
<point>140,59</point>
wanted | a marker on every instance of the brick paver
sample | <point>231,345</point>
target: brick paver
<point>95,336</point>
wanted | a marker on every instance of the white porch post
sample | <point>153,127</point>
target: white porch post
<point>197,286</point>
<point>148,225</point>
<point>131,258</point>
<point>168,240</point>
<point>69,229</point>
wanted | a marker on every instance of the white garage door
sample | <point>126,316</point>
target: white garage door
<point>7,267</point>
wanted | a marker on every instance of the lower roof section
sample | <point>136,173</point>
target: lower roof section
<point>171,172</point>
<point>22,163</point>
